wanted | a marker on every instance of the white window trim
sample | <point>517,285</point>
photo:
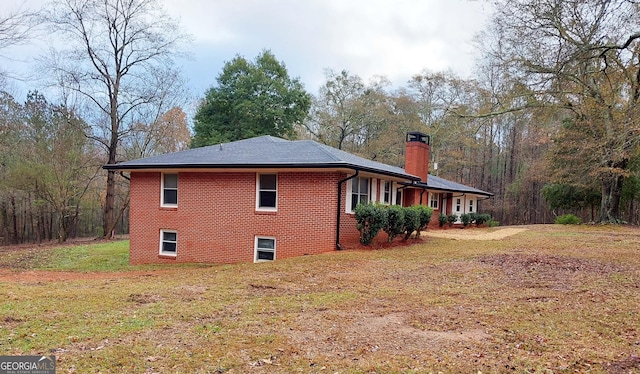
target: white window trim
<point>395,196</point>
<point>258,207</point>
<point>255,248</point>
<point>374,189</point>
<point>349,186</point>
<point>173,254</point>
<point>383,184</point>
<point>471,205</point>
<point>162,203</point>
<point>437,200</point>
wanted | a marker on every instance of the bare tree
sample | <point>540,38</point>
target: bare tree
<point>581,58</point>
<point>117,56</point>
<point>15,28</point>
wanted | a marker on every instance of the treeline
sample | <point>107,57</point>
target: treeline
<point>51,179</point>
<point>51,184</point>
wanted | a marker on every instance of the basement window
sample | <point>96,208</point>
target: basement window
<point>265,249</point>
<point>168,242</point>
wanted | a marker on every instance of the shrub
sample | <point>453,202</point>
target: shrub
<point>568,219</point>
<point>493,223</point>
<point>466,219</point>
<point>482,218</point>
<point>452,218</point>
<point>473,216</point>
<point>395,221</point>
<point>411,221</point>
<point>370,220</point>
<point>424,214</point>
<point>442,219</point>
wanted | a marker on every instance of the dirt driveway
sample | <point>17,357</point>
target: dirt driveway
<point>476,234</point>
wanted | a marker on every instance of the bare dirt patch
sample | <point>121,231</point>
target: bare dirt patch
<point>476,234</point>
<point>350,335</point>
<point>548,271</point>
<point>37,276</point>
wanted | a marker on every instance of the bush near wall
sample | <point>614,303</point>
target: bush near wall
<point>370,219</point>
<point>393,219</point>
<point>424,213</point>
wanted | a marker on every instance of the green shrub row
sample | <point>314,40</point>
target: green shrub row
<point>393,219</point>
<point>467,219</point>
<point>568,219</point>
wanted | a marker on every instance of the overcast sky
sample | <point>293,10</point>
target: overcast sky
<point>394,38</point>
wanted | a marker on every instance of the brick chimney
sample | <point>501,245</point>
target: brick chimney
<point>416,155</point>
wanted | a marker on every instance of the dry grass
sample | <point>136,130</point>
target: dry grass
<point>549,299</point>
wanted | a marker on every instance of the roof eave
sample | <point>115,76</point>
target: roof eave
<point>426,186</point>
<point>124,167</point>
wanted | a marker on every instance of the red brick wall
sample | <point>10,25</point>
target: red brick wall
<point>217,222</point>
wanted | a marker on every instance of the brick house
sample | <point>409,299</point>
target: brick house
<point>264,198</point>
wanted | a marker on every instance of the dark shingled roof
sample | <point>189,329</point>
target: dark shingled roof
<point>440,184</point>
<point>263,152</point>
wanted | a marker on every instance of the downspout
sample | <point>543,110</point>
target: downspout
<point>339,211</point>
<point>422,193</point>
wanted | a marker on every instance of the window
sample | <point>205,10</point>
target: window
<point>458,205</point>
<point>169,190</point>
<point>387,193</point>
<point>435,198</point>
<point>399,197</point>
<point>168,242</point>
<point>359,192</point>
<point>267,197</point>
<point>265,249</point>
<point>470,206</point>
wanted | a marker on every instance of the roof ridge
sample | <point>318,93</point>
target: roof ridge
<point>323,148</point>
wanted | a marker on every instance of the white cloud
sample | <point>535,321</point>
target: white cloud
<point>394,38</point>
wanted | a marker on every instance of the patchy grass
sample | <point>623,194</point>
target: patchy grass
<point>549,299</point>
<point>108,256</point>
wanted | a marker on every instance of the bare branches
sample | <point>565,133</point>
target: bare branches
<point>608,47</point>
<point>126,45</point>
<point>15,27</point>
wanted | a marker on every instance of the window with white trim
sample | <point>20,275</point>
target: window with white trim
<point>169,189</point>
<point>387,192</point>
<point>168,242</point>
<point>267,192</point>
<point>359,192</point>
<point>435,199</point>
<point>265,249</point>
<point>458,205</point>
<point>399,197</point>
<point>470,206</point>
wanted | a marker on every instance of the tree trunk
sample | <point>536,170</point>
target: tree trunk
<point>109,218</point>
<point>610,202</point>
<point>110,199</point>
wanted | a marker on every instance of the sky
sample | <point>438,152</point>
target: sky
<point>393,38</point>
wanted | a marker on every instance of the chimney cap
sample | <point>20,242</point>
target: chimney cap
<point>416,136</point>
